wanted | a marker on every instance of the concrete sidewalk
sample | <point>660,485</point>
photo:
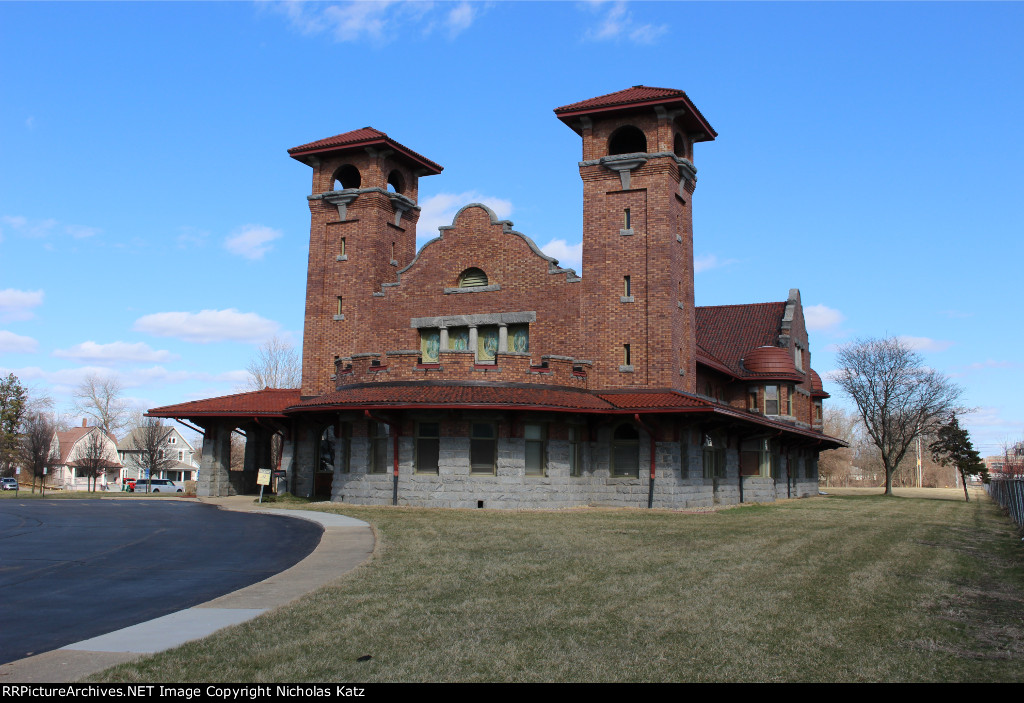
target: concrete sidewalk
<point>345,544</point>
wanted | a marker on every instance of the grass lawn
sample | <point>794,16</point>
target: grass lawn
<point>839,588</point>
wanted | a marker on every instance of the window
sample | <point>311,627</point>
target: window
<point>627,140</point>
<point>790,391</point>
<point>181,456</point>
<point>713,447</point>
<point>627,288</point>
<point>458,338</point>
<point>159,454</point>
<point>430,346</point>
<point>771,400</point>
<point>798,358</point>
<point>339,306</point>
<point>486,344</point>
<point>472,277</point>
<point>428,447</point>
<point>626,451</point>
<point>752,399</point>
<point>817,410</point>
<point>392,251</point>
<point>627,358</point>
<point>519,338</point>
<point>347,177</point>
<point>345,448</point>
<point>172,440</point>
<point>343,252</point>
<point>378,447</point>
<point>483,446</point>
<point>536,449</point>
<point>627,221</point>
<point>575,450</point>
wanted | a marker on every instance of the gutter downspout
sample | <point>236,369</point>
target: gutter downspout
<point>397,433</point>
<point>654,439</point>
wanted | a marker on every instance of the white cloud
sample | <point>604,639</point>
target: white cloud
<point>822,317</point>
<point>81,231</point>
<point>460,18</point>
<point>439,210</point>
<point>618,23</point>
<point>251,241</point>
<point>17,304</point>
<point>208,326</point>
<point>568,255</point>
<point>708,262</point>
<point>378,22</point>
<point>925,343</point>
<point>15,343</point>
<point>38,229</point>
<point>114,352</point>
<point>993,364</point>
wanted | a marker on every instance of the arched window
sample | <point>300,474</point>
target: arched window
<point>396,183</point>
<point>627,140</point>
<point>347,177</point>
<point>625,451</point>
<point>472,277</point>
<point>679,145</point>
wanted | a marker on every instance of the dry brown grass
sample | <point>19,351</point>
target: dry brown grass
<point>845,588</point>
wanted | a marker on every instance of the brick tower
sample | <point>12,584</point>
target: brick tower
<point>638,180</point>
<point>363,216</point>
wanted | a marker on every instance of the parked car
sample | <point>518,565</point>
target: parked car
<point>8,484</point>
<point>158,485</point>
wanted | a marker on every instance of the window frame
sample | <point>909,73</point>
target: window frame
<point>418,448</point>
<point>476,442</point>
<point>378,454</point>
<point>541,444</point>
<point>624,443</point>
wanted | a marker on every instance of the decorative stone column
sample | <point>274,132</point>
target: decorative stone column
<point>502,337</point>
<point>444,339</point>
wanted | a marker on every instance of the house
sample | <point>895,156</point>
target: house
<point>78,451</point>
<point>477,372</point>
<point>179,454</point>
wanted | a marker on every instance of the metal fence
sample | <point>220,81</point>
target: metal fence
<point>1009,493</point>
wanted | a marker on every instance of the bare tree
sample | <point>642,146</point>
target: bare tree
<point>1013,460</point>
<point>38,453</point>
<point>834,465</point>
<point>898,398</point>
<point>99,397</point>
<point>276,365</point>
<point>95,458</point>
<point>147,449</point>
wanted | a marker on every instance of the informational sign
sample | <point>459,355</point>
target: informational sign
<point>263,478</point>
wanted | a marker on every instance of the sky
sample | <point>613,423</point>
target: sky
<point>154,228</point>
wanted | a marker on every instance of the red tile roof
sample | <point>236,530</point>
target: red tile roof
<point>366,136</point>
<point>669,400</point>
<point>728,332</point>
<point>422,395</point>
<point>638,96</point>
<point>267,402</point>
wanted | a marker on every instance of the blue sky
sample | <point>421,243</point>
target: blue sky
<point>153,226</point>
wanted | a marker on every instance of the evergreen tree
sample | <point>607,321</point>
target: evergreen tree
<point>13,399</point>
<point>954,448</point>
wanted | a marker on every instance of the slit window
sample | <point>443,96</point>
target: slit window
<point>627,357</point>
<point>342,252</point>
<point>627,221</point>
<point>339,306</point>
<point>627,288</point>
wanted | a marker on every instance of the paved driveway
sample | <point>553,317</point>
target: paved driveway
<point>74,569</point>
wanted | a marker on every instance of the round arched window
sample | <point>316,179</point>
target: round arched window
<point>347,177</point>
<point>396,183</point>
<point>627,140</point>
<point>472,277</point>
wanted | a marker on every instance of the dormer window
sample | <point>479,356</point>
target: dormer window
<point>472,278</point>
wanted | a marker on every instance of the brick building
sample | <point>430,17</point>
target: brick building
<point>477,372</point>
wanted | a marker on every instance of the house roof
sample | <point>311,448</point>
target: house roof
<point>359,138</point>
<point>66,440</point>
<point>638,96</point>
<point>726,333</point>
<point>269,402</point>
<point>418,394</point>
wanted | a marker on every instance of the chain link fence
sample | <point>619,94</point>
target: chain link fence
<point>1009,493</point>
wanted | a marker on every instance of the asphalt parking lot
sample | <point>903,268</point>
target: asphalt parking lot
<point>75,569</point>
